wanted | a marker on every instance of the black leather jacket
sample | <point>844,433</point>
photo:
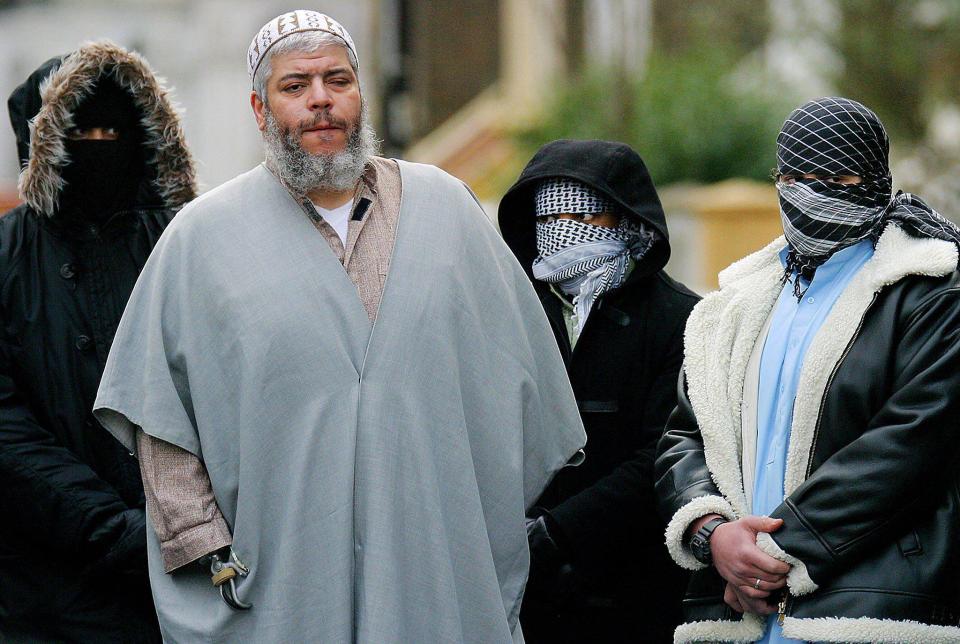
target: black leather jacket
<point>876,519</point>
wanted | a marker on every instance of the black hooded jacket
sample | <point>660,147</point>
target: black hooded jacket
<point>623,371</point>
<point>72,537</point>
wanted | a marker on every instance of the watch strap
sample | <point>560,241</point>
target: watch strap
<point>707,528</point>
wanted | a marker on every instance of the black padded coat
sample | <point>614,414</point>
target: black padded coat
<point>623,371</point>
<point>72,537</point>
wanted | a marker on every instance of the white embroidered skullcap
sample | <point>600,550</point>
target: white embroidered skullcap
<point>290,23</point>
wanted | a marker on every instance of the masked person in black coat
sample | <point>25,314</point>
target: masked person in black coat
<point>105,167</point>
<point>585,221</point>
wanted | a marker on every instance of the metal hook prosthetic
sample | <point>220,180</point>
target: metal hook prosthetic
<point>223,575</point>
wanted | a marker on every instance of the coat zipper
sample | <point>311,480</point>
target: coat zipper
<point>833,374</point>
<point>785,600</point>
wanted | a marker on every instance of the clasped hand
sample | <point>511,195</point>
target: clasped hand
<point>752,575</point>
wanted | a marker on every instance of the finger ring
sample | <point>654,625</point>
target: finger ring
<point>756,585</point>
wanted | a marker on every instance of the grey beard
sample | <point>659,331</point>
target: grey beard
<point>303,172</point>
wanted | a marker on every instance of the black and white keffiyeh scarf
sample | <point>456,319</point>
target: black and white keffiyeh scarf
<point>583,259</point>
<point>838,136</point>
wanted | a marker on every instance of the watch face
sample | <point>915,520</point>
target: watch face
<point>700,548</point>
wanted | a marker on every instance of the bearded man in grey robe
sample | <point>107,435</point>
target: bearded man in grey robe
<point>341,387</point>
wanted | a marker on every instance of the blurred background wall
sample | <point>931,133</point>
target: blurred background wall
<point>699,88</point>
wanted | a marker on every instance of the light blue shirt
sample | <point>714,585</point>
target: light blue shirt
<point>792,328</point>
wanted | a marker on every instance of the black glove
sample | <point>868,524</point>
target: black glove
<point>128,556</point>
<point>553,580</point>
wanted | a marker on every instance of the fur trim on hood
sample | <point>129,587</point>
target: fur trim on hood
<point>170,167</point>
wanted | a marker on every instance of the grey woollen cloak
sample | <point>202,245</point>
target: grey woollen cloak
<point>375,478</point>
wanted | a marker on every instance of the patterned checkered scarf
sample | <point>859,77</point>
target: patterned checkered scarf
<point>837,136</point>
<point>584,260</point>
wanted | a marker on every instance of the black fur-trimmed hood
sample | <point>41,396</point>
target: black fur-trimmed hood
<point>41,112</point>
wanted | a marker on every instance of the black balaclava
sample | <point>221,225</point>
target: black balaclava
<point>103,177</point>
<point>837,136</point>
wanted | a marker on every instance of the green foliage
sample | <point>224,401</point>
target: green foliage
<point>897,63</point>
<point>741,25</point>
<point>684,117</point>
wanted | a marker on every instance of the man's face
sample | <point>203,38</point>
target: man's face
<point>316,95</point>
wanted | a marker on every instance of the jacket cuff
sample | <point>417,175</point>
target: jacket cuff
<point>682,518</point>
<point>798,579</point>
<point>194,543</point>
<point>749,628</point>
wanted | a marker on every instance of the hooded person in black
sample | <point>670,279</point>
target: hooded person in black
<point>585,221</point>
<point>105,167</point>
